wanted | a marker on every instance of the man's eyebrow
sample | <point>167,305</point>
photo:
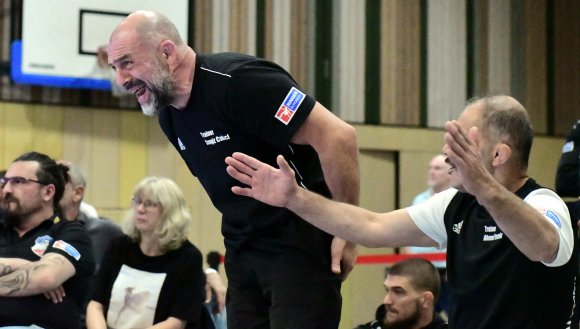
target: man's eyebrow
<point>120,59</point>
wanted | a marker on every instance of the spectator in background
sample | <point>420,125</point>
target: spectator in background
<point>152,275</point>
<point>215,291</point>
<point>39,252</point>
<point>412,287</point>
<point>438,180</point>
<point>568,186</point>
<point>101,230</point>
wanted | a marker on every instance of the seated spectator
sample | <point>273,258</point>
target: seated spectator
<point>412,287</point>
<point>42,257</point>
<point>152,275</point>
<point>101,230</point>
<point>215,296</point>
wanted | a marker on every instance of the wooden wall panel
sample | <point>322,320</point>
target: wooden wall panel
<point>202,27</point>
<point>499,47</point>
<point>299,60</point>
<point>106,171</point>
<point>446,60</point>
<point>18,131</point>
<point>566,78</point>
<point>348,61</point>
<point>535,70</point>
<point>401,62</point>
<point>48,125</point>
<point>132,154</point>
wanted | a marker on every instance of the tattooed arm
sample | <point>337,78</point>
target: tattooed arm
<point>35,278</point>
<point>9,265</point>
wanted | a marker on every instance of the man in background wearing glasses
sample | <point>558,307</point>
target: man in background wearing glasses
<point>42,257</point>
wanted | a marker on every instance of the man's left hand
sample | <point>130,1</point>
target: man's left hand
<point>343,255</point>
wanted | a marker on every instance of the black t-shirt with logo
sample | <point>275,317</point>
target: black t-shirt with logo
<point>241,103</point>
<point>494,284</point>
<point>69,239</point>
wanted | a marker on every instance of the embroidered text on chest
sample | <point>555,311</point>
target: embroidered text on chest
<point>210,137</point>
<point>491,234</point>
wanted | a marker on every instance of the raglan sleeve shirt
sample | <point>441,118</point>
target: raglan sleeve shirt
<point>429,217</point>
<point>554,210</point>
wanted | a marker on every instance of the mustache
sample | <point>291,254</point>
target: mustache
<point>133,83</point>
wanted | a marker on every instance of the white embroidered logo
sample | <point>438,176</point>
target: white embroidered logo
<point>493,236</point>
<point>457,227</point>
<point>181,146</point>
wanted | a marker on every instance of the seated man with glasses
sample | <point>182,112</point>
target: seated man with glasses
<point>45,261</point>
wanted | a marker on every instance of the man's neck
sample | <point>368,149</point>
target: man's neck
<point>184,73</point>
<point>71,213</point>
<point>33,220</point>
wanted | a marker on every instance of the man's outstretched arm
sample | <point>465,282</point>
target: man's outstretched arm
<point>277,187</point>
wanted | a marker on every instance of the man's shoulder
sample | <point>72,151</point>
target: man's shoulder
<point>229,63</point>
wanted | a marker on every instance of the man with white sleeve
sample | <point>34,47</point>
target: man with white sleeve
<point>509,241</point>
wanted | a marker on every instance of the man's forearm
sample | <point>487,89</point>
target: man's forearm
<point>524,225</point>
<point>9,265</point>
<point>37,277</point>
<point>341,171</point>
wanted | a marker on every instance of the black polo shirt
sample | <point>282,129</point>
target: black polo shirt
<point>69,239</point>
<point>241,103</point>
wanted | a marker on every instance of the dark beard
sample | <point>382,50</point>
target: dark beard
<point>15,218</point>
<point>12,219</point>
<point>408,322</point>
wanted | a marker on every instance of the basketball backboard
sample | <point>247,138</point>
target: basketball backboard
<point>60,38</point>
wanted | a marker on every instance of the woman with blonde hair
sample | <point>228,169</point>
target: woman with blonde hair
<point>151,277</point>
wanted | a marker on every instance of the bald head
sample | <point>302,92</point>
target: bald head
<point>438,177</point>
<point>503,119</point>
<point>148,26</point>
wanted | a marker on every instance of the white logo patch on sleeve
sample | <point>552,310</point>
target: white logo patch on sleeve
<point>72,251</point>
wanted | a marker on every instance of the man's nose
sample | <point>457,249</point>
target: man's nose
<point>121,78</point>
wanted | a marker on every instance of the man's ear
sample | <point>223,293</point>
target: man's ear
<point>79,192</point>
<point>428,299</point>
<point>501,155</point>
<point>49,191</point>
<point>169,52</point>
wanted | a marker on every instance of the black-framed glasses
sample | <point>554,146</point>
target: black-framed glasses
<point>147,204</point>
<point>17,180</point>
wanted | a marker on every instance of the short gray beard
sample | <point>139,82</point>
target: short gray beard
<point>162,93</point>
